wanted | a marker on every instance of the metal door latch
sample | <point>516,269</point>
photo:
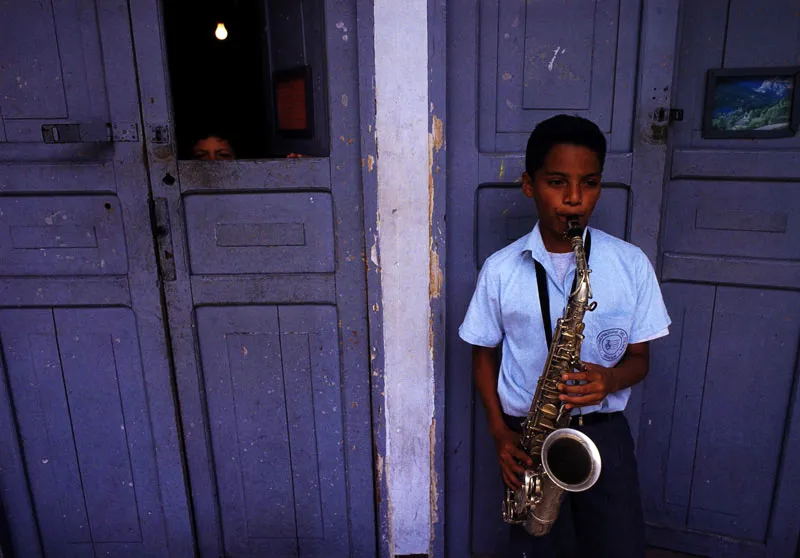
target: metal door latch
<point>662,118</point>
<point>159,133</point>
<point>669,115</point>
<point>90,132</point>
<point>61,133</point>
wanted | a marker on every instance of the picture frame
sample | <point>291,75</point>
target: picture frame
<point>294,103</point>
<point>752,102</point>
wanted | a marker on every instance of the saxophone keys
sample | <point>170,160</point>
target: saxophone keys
<point>549,410</point>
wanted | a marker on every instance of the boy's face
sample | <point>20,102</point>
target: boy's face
<point>213,148</point>
<point>567,185</point>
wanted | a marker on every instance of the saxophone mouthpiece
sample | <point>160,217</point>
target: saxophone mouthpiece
<point>574,228</point>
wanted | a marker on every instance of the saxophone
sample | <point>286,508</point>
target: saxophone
<point>564,459</point>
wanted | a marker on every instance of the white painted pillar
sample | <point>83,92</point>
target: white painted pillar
<point>401,91</point>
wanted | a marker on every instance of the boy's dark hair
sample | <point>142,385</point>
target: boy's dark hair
<point>220,131</point>
<point>564,128</point>
<point>190,134</point>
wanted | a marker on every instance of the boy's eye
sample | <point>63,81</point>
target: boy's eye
<point>592,183</point>
<point>555,182</point>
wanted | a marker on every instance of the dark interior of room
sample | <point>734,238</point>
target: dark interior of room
<point>218,86</point>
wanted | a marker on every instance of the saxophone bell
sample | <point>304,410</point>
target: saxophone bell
<point>571,459</point>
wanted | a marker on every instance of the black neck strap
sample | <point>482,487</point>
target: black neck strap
<point>544,297</point>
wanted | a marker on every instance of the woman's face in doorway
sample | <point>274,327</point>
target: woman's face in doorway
<point>213,148</point>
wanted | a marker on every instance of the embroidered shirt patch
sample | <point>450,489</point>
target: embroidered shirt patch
<point>612,343</point>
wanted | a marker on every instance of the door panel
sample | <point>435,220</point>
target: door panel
<point>718,456</point>
<point>727,218</point>
<point>77,235</point>
<point>539,59</point>
<point>56,72</point>
<point>260,233</point>
<point>275,406</point>
<point>87,395</point>
<point>76,380</point>
<point>32,90</point>
<point>267,314</point>
<point>737,457</point>
<point>679,365</point>
<point>717,451</point>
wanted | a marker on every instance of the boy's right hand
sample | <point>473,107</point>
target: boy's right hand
<point>506,442</point>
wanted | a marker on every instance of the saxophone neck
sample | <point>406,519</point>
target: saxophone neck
<point>582,291</point>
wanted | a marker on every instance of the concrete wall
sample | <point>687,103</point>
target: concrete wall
<point>404,251</point>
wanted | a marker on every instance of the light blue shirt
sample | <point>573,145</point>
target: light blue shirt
<point>505,309</point>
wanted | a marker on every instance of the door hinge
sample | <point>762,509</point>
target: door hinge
<point>125,132</point>
<point>92,132</point>
<point>166,256</point>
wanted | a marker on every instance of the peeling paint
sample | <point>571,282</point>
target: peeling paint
<point>502,169</point>
<point>373,255</point>
<point>345,100</point>
<point>435,144</point>
<point>343,28</point>
<point>436,276</point>
<point>379,470</point>
<point>49,218</point>
<point>370,163</point>
<point>556,51</point>
<point>437,134</point>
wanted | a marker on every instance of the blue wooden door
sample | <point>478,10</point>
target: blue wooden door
<point>266,303</point>
<point>719,441</point>
<point>511,65</point>
<point>91,461</point>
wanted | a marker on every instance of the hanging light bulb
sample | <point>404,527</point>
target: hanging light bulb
<point>221,33</point>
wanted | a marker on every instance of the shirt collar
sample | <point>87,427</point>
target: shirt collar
<point>535,246</point>
<point>538,252</point>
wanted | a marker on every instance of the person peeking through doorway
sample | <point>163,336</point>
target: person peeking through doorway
<point>213,146</point>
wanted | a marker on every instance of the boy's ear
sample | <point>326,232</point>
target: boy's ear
<point>527,185</point>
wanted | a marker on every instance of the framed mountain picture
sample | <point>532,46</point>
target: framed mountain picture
<point>752,103</point>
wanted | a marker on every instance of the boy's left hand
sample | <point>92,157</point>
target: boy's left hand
<point>596,382</point>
